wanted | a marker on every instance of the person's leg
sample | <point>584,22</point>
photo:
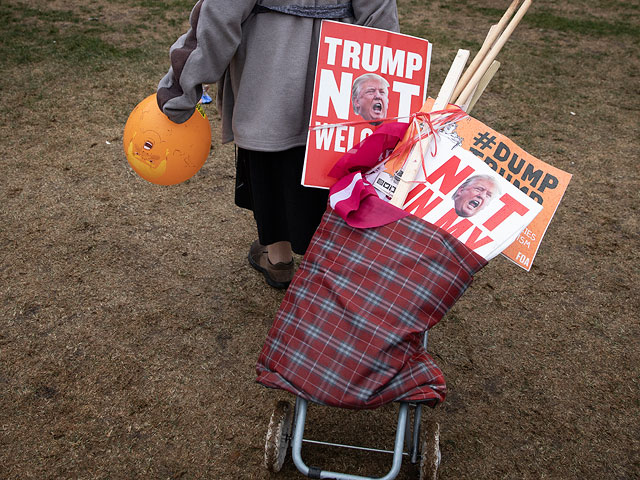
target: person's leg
<point>278,274</point>
<point>286,214</point>
<point>280,252</point>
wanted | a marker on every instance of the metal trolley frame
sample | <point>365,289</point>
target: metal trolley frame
<point>286,428</point>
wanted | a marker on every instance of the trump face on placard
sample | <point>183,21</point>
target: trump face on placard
<point>474,194</point>
<point>370,97</point>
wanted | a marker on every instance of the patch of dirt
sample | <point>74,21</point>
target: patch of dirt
<point>131,321</point>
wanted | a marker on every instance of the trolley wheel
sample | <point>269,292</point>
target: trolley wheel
<point>430,458</point>
<point>278,436</point>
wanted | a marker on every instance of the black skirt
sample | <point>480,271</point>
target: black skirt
<point>268,184</point>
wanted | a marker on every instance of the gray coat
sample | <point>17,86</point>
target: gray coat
<point>264,64</point>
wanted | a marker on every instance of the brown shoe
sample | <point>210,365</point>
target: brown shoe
<point>278,275</point>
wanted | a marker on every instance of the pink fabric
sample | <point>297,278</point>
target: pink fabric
<point>352,197</point>
<point>355,199</point>
<point>371,151</point>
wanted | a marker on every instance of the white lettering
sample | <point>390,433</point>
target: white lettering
<point>414,64</point>
<point>406,91</point>
<point>333,44</point>
<point>373,58</point>
<point>339,139</point>
<point>370,62</point>
<point>340,97</point>
<point>365,133</point>
<point>351,52</point>
<point>323,137</point>
<point>352,132</point>
<point>392,65</point>
<point>523,259</point>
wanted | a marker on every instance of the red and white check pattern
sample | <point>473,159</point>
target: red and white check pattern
<point>349,330</point>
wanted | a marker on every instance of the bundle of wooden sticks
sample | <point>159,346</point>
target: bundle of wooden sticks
<point>464,88</point>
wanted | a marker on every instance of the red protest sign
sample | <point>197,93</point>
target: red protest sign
<point>362,76</point>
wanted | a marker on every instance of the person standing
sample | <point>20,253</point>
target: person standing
<point>262,55</point>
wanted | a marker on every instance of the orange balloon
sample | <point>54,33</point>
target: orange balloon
<point>164,152</point>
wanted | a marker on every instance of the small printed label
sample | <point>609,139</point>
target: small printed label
<point>201,110</point>
<point>387,183</point>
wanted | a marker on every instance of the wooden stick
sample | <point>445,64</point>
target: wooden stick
<point>493,34</point>
<point>488,43</point>
<point>491,55</point>
<point>482,85</point>
<point>412,165</point>
<point>490,39</point>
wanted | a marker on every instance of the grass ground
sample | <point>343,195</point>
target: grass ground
<point>130,322</point>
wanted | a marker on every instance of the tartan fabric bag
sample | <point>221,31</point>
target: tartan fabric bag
<point>349,330</point>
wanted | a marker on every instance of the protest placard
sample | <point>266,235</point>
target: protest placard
<point>542,182</point>
<point>467,198</point>
<point>536,179</point>
<point>362,76</point>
